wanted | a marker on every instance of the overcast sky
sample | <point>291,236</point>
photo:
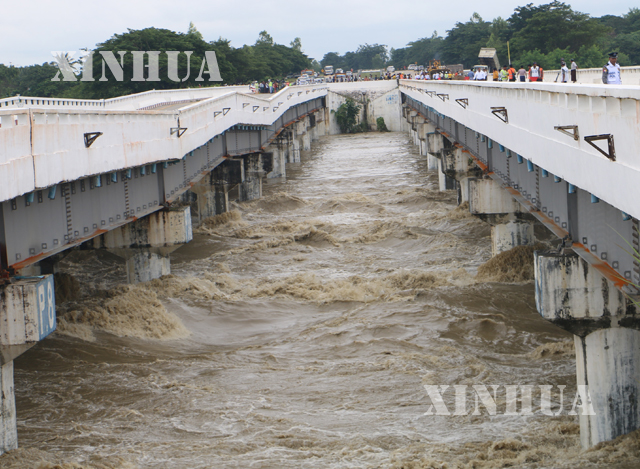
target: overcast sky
<point>31,29</point>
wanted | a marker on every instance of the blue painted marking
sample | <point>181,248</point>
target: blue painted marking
<point>46,306</point>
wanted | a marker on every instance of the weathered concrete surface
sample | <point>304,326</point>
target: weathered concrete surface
<point>376,98</point>
<point>251,187</point>
<point>146,244</point>
<point>165,228</point>
<point>8,427</point>
<point>506,236</point>
<point>145,264</point>
<point>435,143</point>
<point>608,361</point>
<point>574,295</point>
<point>445,182</point>
<point>27,315</point>
<point>486,196</point>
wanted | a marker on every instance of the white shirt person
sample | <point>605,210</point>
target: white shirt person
<point>611,71</point>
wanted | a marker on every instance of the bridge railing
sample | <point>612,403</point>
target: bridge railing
<point>41,147</point>
<point>136,101</point>
<point>533,111</point>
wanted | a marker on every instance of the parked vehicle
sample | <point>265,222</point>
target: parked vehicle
<point>328,70</point>
<point>339,70</point>
<point>391,69</point>
<point>489,57</point>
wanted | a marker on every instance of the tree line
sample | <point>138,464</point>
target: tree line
<point>261,61</point>
<point>543,34</point>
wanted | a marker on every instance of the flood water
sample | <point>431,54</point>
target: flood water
<point>299,331</point>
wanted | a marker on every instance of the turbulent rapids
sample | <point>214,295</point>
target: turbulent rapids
<point>299,331</point>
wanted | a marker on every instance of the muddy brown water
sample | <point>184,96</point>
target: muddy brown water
<point>299,331</point>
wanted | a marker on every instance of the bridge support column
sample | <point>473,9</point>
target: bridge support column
<point>279,160</point>
<point>306,141</point>
<point>294,151</point>
<point>435,143</point>
<point>27,315</point>
<point>432,162</point>
<point>575,296</point>
<point>211,192</point>
<point>506,236</point>
<point>146,244</point>
<point>445,182</point>
<point>456,165</point>
<point>251,187</point>
<point>491,202</point>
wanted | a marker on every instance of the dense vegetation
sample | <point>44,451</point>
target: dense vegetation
<point>347,117</point>
<point>544,34</point>
<point>261,61</point>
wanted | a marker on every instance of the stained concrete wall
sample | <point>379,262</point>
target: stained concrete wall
<point>382,99</point>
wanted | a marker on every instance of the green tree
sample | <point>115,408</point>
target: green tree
<point>420,51</point>
<point>464,41</point>
<point>296,44</point>
<point>193,31</point>
<point>347,116</point>
<point>555,26</point>
<point>264,38</point>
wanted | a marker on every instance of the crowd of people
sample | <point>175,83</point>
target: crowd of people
<point>532,73</point>
<point>268,86</point>
<point>508,73</point>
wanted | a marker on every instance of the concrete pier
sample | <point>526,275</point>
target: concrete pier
<point>251,187</point>
<point>27,315</point>
<point>146,244</point>
<point>492,203</point>
<point>515,232</point>
<point>574,295</point>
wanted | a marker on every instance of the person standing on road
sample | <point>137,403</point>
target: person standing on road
<point>611,71</point>
<point>574,71</point>
<point>504,74</point>
<point>564,73</point>
<point>534,72</point>
<point>512,73</point>
<point>522,73</point>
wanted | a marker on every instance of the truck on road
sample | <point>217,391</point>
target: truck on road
<point>489,57</point>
